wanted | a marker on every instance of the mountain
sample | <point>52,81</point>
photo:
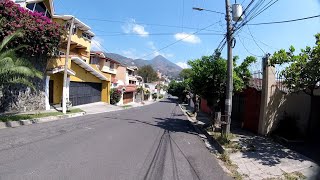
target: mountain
<point>160,63</point>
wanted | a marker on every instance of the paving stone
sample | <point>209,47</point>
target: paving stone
<point>25,122</point>
<point>13,124</point>
<point>3,125</point>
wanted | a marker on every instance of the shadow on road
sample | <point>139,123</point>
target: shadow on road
<point>176,122</point>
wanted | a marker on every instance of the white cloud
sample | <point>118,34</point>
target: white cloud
<point>187,37</point>
<point>133,27</point>
<point>183,65</point>
<point>151,45</point>
<point>96,44</point>
<point>131,53</point>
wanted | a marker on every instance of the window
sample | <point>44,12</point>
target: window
<point>39,7</point>
<point>31,6</point>
<point>111,66</point>
<point>86,36</point>
<point>59,53</point>
<point>94,60</point>
<point>74,29</point>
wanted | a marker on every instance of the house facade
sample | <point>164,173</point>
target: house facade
<point>123,77</point>
<point>85,82</point>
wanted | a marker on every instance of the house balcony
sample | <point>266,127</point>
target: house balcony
<point>61,60</point>
<point>77,42</point>
<point>109,70</point>
<point>132,77</point>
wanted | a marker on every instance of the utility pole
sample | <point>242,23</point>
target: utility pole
<point>228,102</point>
<point>65,74</point>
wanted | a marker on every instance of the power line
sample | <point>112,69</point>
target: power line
<point>140,23</point>
<point>247,48</point>
<point>267,6</point>
<point>152,34</point>
<point>286,21</point>
<point>100,46</point>
<point>171,44</point>
<point>255,40</point>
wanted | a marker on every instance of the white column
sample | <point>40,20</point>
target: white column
<point>47,93</point>
<point>68,88</point>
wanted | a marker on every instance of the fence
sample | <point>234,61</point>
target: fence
<point>280,82</point>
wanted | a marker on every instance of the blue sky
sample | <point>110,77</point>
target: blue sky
<point>134,29</point>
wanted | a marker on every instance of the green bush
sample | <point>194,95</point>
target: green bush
<point>154,96</point>
<point>161,96</point>
<point>115,96</point>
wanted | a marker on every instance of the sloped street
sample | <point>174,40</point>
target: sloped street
<point>150,142</point>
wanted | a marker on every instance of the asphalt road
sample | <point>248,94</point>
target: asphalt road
<point>150,142</point>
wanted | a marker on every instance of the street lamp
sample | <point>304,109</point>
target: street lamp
<point>202,9</point>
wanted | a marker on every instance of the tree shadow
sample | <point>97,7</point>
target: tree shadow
<point>264,150</point>
<point>176,123</point>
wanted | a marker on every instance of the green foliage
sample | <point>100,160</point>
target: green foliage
<point>40,34</point>
<point>15,70</point>
<point>303,70</point>
<point>139,89</point>
<point>19,117</point>
<point>154,96</point>
<point>115,96</point>
<point>209,75</point>
<point>148,74</point>
<point>185,74</point>
<point>161,96</point>
<point>178,89</point>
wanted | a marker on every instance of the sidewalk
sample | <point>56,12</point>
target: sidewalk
<point>101,107</point>
<point>259,158</point>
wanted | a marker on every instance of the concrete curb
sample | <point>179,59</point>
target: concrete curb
<point>14,124</point>
<point>198,127</point>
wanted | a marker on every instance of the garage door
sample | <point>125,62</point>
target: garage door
<point>84,93</point>
<point>127,97</point>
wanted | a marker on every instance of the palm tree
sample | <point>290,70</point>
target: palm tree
<point>15,70</point>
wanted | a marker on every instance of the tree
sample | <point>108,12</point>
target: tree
<point>185,74</point>
<point>115,96</point>
<point>148,74</point>
<point>14,70</point>
<point>209,74</point>
<point>302,72</point>
<point>178,89</point>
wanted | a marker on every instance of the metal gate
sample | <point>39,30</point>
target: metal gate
<point>127,97</point>
<point>84,93</point>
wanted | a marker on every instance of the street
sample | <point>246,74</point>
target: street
<point>150,142</point>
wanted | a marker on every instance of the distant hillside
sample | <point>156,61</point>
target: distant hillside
<point>160,63</point>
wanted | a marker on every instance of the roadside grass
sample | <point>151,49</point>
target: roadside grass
<point>226,141</point>
<point>231,167</point>
<point>126,106</point>
<point>289,176</point>
<point>18,117</point>
<point>294,176</point>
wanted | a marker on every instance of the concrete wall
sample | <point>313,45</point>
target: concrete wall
<point>121,73</point>
<point>275,104</point>
<point>295,105</point>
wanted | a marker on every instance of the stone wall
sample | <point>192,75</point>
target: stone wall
<point>19,98</point>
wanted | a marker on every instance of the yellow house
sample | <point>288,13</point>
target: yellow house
<point>85,82</point>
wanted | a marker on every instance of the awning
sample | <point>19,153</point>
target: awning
<point>128,88</point>
<point>61,69</point>
<point>88,68</point>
